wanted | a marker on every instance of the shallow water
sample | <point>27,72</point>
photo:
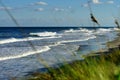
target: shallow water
<point>17,57</point>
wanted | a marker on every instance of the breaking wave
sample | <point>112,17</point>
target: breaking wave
<point>16,54</point>
<point>44,49</point>
<point>44,34</point>
<point>12,40</point>
<point>69,41</point>
<point>79,30</point>
<point>102,31</point>
<point>79,35</point>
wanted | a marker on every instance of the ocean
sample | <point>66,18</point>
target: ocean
<point>25,49</point>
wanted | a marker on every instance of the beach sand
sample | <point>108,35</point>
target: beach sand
<point>114,43</point>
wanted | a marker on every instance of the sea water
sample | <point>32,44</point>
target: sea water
<point>25,49</point>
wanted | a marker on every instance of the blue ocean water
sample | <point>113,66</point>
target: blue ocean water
<point>18,32</point>
<point>23,48</point>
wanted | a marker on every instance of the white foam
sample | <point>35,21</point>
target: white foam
<point>79,30</point>
<point>105,30</point>
<point>86,30</point>
<point>44,49</point>
<point>12,40</point>
<point>67,31</point>
<point>43,34</point>
<point>68,41</point>
<point>102,31</point>
<point>116,29</point>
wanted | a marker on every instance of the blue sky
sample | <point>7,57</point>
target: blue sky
<point>59,12</point>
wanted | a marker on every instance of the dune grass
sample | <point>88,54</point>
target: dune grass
<point>103,67</point>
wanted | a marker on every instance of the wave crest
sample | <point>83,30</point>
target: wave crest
<point>44,34</point>
<point>43,49</point>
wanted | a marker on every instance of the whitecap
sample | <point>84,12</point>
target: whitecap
<point>78,40</point>
<point>12,40</point>
<point>81,30</point>
<point>43,49</point>
<point>44,34</point>
<point>116,29</point>
<point>102,31</point>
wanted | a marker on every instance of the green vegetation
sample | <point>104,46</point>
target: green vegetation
<point>103,67</point>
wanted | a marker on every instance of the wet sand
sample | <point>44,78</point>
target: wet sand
<point>111,46</point>
<point>114,43</point>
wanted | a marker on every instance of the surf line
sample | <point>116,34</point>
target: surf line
<point>45,48</point>
<point>12,40</point>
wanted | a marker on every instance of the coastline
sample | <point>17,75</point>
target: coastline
<point>112,46</point>
<point>114,43</point>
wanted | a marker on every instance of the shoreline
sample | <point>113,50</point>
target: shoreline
<point>114,43</point>
<point>112,46</point>
<point>112,59</point>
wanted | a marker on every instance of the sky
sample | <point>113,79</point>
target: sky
<point>59,12</point>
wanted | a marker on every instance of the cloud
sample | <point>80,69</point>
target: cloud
<point>69,7</point>
<point>39,3</point>
<point>56,9</point>
<point>59,9</point>
<point>118,6</point>
<point>40,9</point>
<point>3,8</point>
<point>96,1</point>
<point>85,5</point>
<point>110,2</point>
